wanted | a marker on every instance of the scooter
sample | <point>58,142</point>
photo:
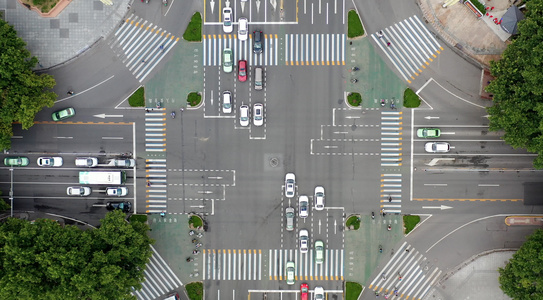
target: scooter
<point>383,103</point>
<point>380,249</point>
<point>173,114</point>
<point>389,228</point>
<point>355,68</point>
<point>354,80</point>
<point>165,2</point>
<point>372,215</point>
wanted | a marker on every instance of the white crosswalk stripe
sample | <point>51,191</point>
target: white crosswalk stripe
<point>214,44</point>
<point>306,268</point>
<point>159,279</point>
<point>408,274</point>
<point>391,156</point>
<point>229,264</point>
<point>409,45</point>
<point>142,45</point>
<point>315,49</point>
<point>155,168</point>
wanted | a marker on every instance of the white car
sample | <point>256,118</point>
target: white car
<point>227,20</point>
<point>244,115</point>
<point>437,147</point>
<point>243,29</point>
<point>319,198</point>
<point>50,161</point>
<point>319,293</point>
<point>117,191</point>
<point>78,191</point>
<point>86,162</point>
<point>290,184</point>
<point>304,240</point>
<point>303,209</point>
<point>258,114</point>
<point>227,102</point>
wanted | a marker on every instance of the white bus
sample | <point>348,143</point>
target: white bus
<point>99,177</point>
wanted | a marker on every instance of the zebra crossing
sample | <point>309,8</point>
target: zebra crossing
<point>409,46</point>
<point>155,166</point>
<point>299,49</point>
<point>214,44</point>
<point>232,264</point>
<point>408,274</point>
<point>142,45</point>
<point>159,279</point>
<point>391,156</point>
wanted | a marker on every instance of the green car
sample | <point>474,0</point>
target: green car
<point>319,251</point>
<point>428,133</point>
<point>289,272</point>
<point>63,114</point>
<point>20,161</point>
<point>227,60</point>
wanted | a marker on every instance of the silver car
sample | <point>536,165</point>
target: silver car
<point>289,214</point>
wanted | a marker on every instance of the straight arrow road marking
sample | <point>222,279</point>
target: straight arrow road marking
<point>102,116</point>
<point>442,207</point>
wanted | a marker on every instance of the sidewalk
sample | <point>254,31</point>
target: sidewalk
<point>480,39</point>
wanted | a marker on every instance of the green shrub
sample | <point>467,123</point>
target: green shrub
<point>138,218</point>
<point>137,99</point>
<point>409,222</point>
<point>194,29</point>
<point>195,290</point>
<point>354,99</point>
<point>352,290</point>
<point>479,6</point>
<point>194,99</point>
<point>195,221</point>
<point>410,99</point>
<point>354,28</point>
<point>353,220</point>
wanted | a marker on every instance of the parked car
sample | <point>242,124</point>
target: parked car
<point>289,215</point>
<point>78,191</point>
<point>437,147</point>
<point>62,114</point>
<point>86,162</point>
<point>226,102</point>
<point>244,115</point>
<point>290,185</point>
<point>303,206</point>
<point>289,272</point>
<point>227,20</point>
<point>19,161</point>
<point>55,161</point>
<point>319,198</point>
<point>125,206</point>
<point>428,133</point>
<point>117,191</point>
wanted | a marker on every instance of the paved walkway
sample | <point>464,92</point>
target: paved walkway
<point>58,40</point>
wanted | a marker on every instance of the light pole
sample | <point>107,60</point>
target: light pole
<point>11,191</point>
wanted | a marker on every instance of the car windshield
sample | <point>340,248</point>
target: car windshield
<point>227,105</point>
<point>290,215</point>
<point>242,71</point>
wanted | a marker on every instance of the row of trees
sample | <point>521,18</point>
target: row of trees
<point>43,260</point>
<point>23,93</point>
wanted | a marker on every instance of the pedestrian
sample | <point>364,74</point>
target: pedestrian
<point>143,61</point>
<point>380,34</point>
<point>147,110</point>
<point>163,214</point>
<point>388,44</point>
<point>406,250</point>
<point>148,183</point>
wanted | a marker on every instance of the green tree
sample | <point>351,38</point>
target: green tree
<point>518,87</point>
<point>46,261</point>
<point>522,277</point>
<point>23,93</point>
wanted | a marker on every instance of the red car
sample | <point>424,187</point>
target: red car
<point>304,291</point>
<point>242,70</point>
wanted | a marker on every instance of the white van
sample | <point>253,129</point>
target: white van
<point>258,78</point>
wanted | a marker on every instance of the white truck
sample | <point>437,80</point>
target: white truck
<point>102,177</point>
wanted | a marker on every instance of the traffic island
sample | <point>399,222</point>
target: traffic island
<point>195,222</point>
<point>353,222</point>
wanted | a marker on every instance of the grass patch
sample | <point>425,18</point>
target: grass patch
<point>194,29</point>
<point>479,6</point>
<point>194,99</point>
<point>410,99</point>
<point>354,28</point>
<point>353,221</point>
<point>409,222</point>
<point>42,5</point>
<point>137,99</point>
<point>138,218</point>
<point>195,290</point>
<point>352,290</point>
<point>195,221</point>
<point>354,99</point>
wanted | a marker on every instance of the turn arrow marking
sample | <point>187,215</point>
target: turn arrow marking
<point>108,116</point>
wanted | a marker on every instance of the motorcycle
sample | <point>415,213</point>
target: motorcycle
<point>354,80</point>
<point>189,259</point>
<point>383,103</point>
<point>380,249</point>
<point>389,228</point>
<point>165,2</point>
<point>355,68</point>
<point>173,114</point>
<point>372,215</point>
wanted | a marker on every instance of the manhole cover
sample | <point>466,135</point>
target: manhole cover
<point>274,162</point>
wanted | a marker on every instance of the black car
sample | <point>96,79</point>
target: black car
<point>125,206</point>
<point>257,42</point>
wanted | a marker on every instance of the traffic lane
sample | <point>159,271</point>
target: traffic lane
<point>495,147</point>
<point>462,132</point>
<point>64,137</point>
<point>469,186</point>
<point>475,163</point>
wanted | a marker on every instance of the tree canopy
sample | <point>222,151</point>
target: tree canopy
<point>522,277</point>
<point>518,87</point>
<point>23,93</point>
<point>43,260</point>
